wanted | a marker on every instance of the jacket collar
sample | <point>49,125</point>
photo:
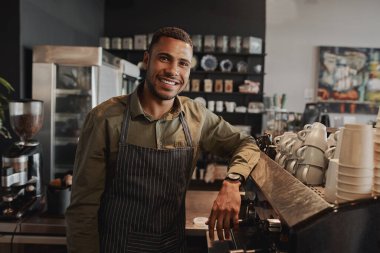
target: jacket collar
<point>137,110</point>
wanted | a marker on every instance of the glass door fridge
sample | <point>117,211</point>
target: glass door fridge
<point>71,81</point>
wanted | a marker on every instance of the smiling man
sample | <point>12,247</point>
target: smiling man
<point>136,154</point>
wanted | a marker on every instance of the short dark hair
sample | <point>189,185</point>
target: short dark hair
<point>171,32</point>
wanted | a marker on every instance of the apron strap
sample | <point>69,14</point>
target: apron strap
<point>186,129</point>
<point>125,124</point>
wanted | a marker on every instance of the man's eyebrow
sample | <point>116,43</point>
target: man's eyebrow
<point>171,57</point>
<point>165,54</point>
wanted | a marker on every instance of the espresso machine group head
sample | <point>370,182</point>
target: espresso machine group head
<point>21,163</point>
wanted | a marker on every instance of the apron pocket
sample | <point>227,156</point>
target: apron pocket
<point>144,242</point>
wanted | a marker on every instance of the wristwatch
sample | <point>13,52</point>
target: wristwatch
<point>234,177</point>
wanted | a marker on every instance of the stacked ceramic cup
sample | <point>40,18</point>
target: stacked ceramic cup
<point>376,176</point>
<point>312,163</point>
<point>291,150</point>
<point>281,142</point>
<point>356,156</point>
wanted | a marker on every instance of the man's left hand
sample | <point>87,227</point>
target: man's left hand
<point>226,207</point>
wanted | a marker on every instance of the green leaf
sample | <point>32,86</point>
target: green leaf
<point>7,85</point>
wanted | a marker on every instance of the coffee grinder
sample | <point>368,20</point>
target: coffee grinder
<point>21,163</point>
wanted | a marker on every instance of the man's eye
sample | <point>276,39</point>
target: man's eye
<point>184,64</point>
<point>164,59</point>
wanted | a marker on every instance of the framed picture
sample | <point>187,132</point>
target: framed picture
<point>348,77</point>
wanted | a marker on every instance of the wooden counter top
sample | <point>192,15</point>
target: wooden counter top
<point>198,204</point>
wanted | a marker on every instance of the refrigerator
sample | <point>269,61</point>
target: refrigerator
<point>71,80</point>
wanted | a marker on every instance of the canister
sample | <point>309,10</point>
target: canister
<point>197,42</point>
<point>127,43</point>
<point>104,42</point>
<point>235,44</point>
<point>116,43</point>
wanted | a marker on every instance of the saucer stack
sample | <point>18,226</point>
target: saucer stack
<point>355,170</point>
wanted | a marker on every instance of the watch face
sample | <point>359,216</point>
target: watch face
<point>233,176</point>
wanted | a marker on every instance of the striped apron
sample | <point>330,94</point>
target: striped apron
<point>143,205</point>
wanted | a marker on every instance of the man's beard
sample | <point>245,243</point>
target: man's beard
<point>152,90</point>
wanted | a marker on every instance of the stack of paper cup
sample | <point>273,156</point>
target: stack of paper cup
<point>332,154</point>
<point>356,163</point>
<point>376,154</point>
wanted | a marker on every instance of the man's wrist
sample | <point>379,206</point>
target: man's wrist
<point>234,177</point>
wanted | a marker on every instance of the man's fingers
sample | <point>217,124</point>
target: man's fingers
<point>227,226</point>
<point>219,226</point>
<point>211,225</point>
<point>235,220</point>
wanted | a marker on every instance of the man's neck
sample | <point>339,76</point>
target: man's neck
<point>153,106</point>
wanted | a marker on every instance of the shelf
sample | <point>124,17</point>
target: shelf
<point>203,93</point>
<point>116,51</point>
<point>73,92</point>
<point>233,73</point>
<point>60,116</point>
<point>61,141</point>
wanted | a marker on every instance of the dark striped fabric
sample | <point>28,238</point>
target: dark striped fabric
<point>143,206</point>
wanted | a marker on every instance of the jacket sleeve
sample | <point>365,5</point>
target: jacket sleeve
<point>88,186</point>
<point>222,139</point>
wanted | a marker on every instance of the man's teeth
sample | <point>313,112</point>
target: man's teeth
<point>168,82</point>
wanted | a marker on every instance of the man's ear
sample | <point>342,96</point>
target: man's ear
<point>145,60</point>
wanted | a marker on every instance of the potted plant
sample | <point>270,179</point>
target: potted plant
<point>3,105</point>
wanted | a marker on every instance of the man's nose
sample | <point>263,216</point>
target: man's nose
<point>172,69</point>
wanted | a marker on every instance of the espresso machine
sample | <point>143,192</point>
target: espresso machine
<point>21,163</point>
<point>281,214</point>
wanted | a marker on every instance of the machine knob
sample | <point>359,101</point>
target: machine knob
<point>30,188</point>
<point>273,225</point>
<point>8,198</point>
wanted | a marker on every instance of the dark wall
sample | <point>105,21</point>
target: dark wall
<point>10,43</point>
<point>219,17</point>
<point>63,22</point>
<point>25,23</point>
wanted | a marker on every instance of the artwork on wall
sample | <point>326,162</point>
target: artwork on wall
<point>349,79</point>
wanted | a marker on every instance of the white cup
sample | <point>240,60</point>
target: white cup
<point>357,188</point>
<point>310,174</point>
<point>219,106</point>
<point>282,160</point>
<point>330,185</point>
<point>351,194</point>
<point>282,140</point>
<point>355,171</point>
<point>357,138</point>
<point>230,106</point>
<point>291,166</point>
<point>344,178</point>
<point>311,155</point>
<point>211,105</point>
<point>316,137</point>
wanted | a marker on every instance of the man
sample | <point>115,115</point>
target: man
<point>136,154</point>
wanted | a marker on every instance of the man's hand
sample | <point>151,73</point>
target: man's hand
<point>226,207</point>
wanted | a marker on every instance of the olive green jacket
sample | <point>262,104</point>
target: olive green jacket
<point>98,148</point>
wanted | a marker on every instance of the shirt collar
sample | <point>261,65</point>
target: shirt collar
<point>137,110</point>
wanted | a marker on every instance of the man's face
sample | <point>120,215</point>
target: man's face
<point>168,67</point>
